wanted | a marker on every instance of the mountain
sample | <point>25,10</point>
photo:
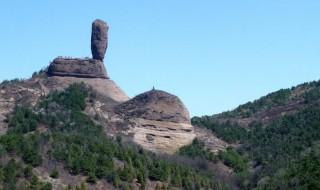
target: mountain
<point>70,126</point>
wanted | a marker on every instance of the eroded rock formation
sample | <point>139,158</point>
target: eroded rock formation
<point>156,105</point>
<point>99,39</point>
<point>160,121</point>
<point>156,120</point>
<point>85,68</point>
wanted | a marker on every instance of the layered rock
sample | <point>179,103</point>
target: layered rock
<point>156,105</point>
<point>106,87</point>
<point>85,68</point>
<point>99,39</point>
<point>156,120</point>
<point>160,122</point>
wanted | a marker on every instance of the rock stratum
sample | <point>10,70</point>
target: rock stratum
<point>161,121</point>
<point>156,120</point>
<point>85,68</point>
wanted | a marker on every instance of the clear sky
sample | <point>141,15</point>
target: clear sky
<point>213,54</point>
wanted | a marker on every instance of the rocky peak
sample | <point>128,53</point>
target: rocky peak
<point>160,121</point>
<point>156,120</point>
<point>85,68</point>
<point>99,39</point>
<point>156,105</point>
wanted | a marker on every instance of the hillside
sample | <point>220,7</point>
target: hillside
<point>70,126</point>
<point>273,105</point>
<point>55,144</point>
<point>278,136</point>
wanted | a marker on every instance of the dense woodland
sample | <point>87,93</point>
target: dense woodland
<point>283,154</point>
<point>72,138</point>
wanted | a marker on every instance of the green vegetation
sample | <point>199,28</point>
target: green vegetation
<point>229,132</point>
<point>234,160</point>
<point>278,146</point>
<point>23,120</point>
<point>197,150</point>
<point>12,171</point>
<point>303,173</point>
<point>229,157</point>
<point>280,97</point>
<point>285,153</point>
<point>15,141</point>
<point>72,138</point>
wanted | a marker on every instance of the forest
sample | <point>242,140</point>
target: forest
<point>282,154</point>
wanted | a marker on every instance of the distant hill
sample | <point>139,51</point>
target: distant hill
<point>278,135</point>
<point>272,106</point>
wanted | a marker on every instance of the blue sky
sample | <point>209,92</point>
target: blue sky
<point>213,54</point>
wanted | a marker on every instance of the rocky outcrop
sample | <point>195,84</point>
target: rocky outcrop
<point>161,136</point>
<point>158,121</point>
<point>156,105</point>
<point>106,87</point>
<point>99,39</point>
<point>85,68</point>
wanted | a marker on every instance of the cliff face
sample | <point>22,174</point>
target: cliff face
<point>82,68</point>
<point>160,121</point>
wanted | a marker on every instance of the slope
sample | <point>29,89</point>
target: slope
<point>55,145</point>
<point>278,134</point>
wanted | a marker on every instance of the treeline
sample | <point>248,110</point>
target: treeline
<point>306,93</point>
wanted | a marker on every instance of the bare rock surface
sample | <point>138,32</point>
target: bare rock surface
<point>99,39</point>
<point>105,87</point>
<point>14,93</point>
<point>74,67</point>
<point>85,68</point>
<point>158,121</point>
<point>211,141</point>
<point>162,136</point>
<point>155,105</point>
<point>28,92</point>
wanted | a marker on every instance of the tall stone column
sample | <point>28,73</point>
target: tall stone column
<point>99,39</point>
